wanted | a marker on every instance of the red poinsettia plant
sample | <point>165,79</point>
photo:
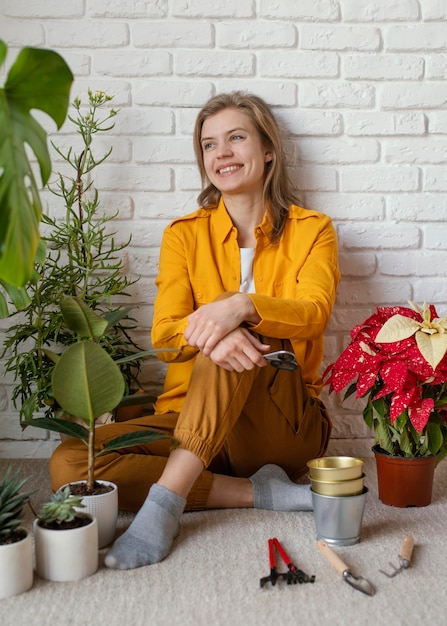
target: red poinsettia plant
<point>397,359</point>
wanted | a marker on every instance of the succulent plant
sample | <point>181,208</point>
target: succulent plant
<point>12,501</point>
<point>61,508</point>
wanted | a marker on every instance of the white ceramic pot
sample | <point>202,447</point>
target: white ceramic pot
<point>16,567</point>
<point>104,507</point>
<point>66,555</point>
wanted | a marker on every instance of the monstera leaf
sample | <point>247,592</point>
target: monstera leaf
<point>38,79</point>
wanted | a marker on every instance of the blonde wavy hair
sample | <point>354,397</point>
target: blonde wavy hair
<point>278,192</point>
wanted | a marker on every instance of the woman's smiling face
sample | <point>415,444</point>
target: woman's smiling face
<point>233,154</point>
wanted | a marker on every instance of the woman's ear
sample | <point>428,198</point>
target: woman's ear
<point>268,156</point>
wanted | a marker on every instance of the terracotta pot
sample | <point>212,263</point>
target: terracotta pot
<point>404,482</point>
<point>16,567</point>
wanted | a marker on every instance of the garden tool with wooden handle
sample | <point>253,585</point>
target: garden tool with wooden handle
<point>404,557</point>
<point>355,581</point>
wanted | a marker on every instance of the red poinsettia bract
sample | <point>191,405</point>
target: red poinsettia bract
<point>403,372</point>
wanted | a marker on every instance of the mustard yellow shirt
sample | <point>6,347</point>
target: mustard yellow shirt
<point>295,281</point>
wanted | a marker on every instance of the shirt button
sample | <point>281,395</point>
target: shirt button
<point>259,279</point>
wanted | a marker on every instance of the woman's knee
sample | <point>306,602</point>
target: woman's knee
<point>68,463</point>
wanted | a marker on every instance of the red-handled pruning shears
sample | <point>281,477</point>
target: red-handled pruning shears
<point>293,574</point>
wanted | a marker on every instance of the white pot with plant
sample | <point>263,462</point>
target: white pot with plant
<point>16,547</point>
<point>87,383</point>
<point>66,540</point>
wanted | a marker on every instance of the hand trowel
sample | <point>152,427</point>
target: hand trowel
<point>355,581</point>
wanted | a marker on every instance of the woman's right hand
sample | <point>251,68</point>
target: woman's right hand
<point>210,323</point>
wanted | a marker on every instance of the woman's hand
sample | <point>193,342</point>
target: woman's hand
<point>239,350</point>
<point>212,322</point>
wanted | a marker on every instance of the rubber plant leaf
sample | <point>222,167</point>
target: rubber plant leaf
<point>133,439</point>
<point>38,79</point>
<point>141,355</point>
<point>81,319</point>
<point>58,426</point>
<point>87,382</point>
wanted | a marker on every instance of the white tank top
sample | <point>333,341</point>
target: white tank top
<point>247,282</point>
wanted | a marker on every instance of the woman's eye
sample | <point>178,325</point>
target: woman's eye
<point>236,137</point>
<point>207,146</point>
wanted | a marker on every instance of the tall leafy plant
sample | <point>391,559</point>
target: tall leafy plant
<point>38,79</point>
<point>87,383</point>
<point>82,258</point>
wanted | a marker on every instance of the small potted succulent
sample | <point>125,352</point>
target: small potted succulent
<point>16,548</point>
<point>66,540</point>
<point>397,360</point>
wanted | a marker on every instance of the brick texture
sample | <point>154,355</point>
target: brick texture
<point>359,88</point>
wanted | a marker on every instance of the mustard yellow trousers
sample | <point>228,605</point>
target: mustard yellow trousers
<point>235,422</point>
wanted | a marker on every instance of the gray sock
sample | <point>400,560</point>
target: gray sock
<point>273,490</point>
<point>149,537</point>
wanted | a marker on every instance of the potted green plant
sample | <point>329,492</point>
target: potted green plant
<point>38,79</point>
<point>16,548</point>
<point>66,540</point>
<point>87,382</point>
<point>397,360</point>
<point>81,257</point>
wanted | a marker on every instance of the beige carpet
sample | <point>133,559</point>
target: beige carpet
<point>212,575</point>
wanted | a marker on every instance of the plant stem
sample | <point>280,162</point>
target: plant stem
<point>91,456</point>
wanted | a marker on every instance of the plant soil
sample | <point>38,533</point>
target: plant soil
<point>80,489</point>
<point>14,537</point>
<point>82,519</point>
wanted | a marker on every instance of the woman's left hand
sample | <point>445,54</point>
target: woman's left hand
<point>239,351</point>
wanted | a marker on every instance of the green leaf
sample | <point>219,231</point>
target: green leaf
<point>133,439</point>
<point>368,415</point>
<point>59,426</point>
<point>434,438</point>
<point>87,382</point>
<point>18,295</point>
<point>113,317</point>
<point>4,311</point>
<point>135,399</point>
<point>144,353</point>
<point>53,356</point>
<point>38,79</point>
<point>3,51</point>
<point>81,319</point>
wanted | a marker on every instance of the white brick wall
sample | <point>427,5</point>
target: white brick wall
<point>359,87</point>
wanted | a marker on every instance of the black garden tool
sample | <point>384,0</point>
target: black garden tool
<point>293,574</point>
<point>355,581</point>
<point>404,557</point>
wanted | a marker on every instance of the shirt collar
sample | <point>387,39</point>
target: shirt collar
<point>224,226</point>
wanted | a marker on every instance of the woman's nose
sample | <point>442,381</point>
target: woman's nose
<point>223,149</point>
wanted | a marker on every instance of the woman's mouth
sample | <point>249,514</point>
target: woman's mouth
<point>229,168</point>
